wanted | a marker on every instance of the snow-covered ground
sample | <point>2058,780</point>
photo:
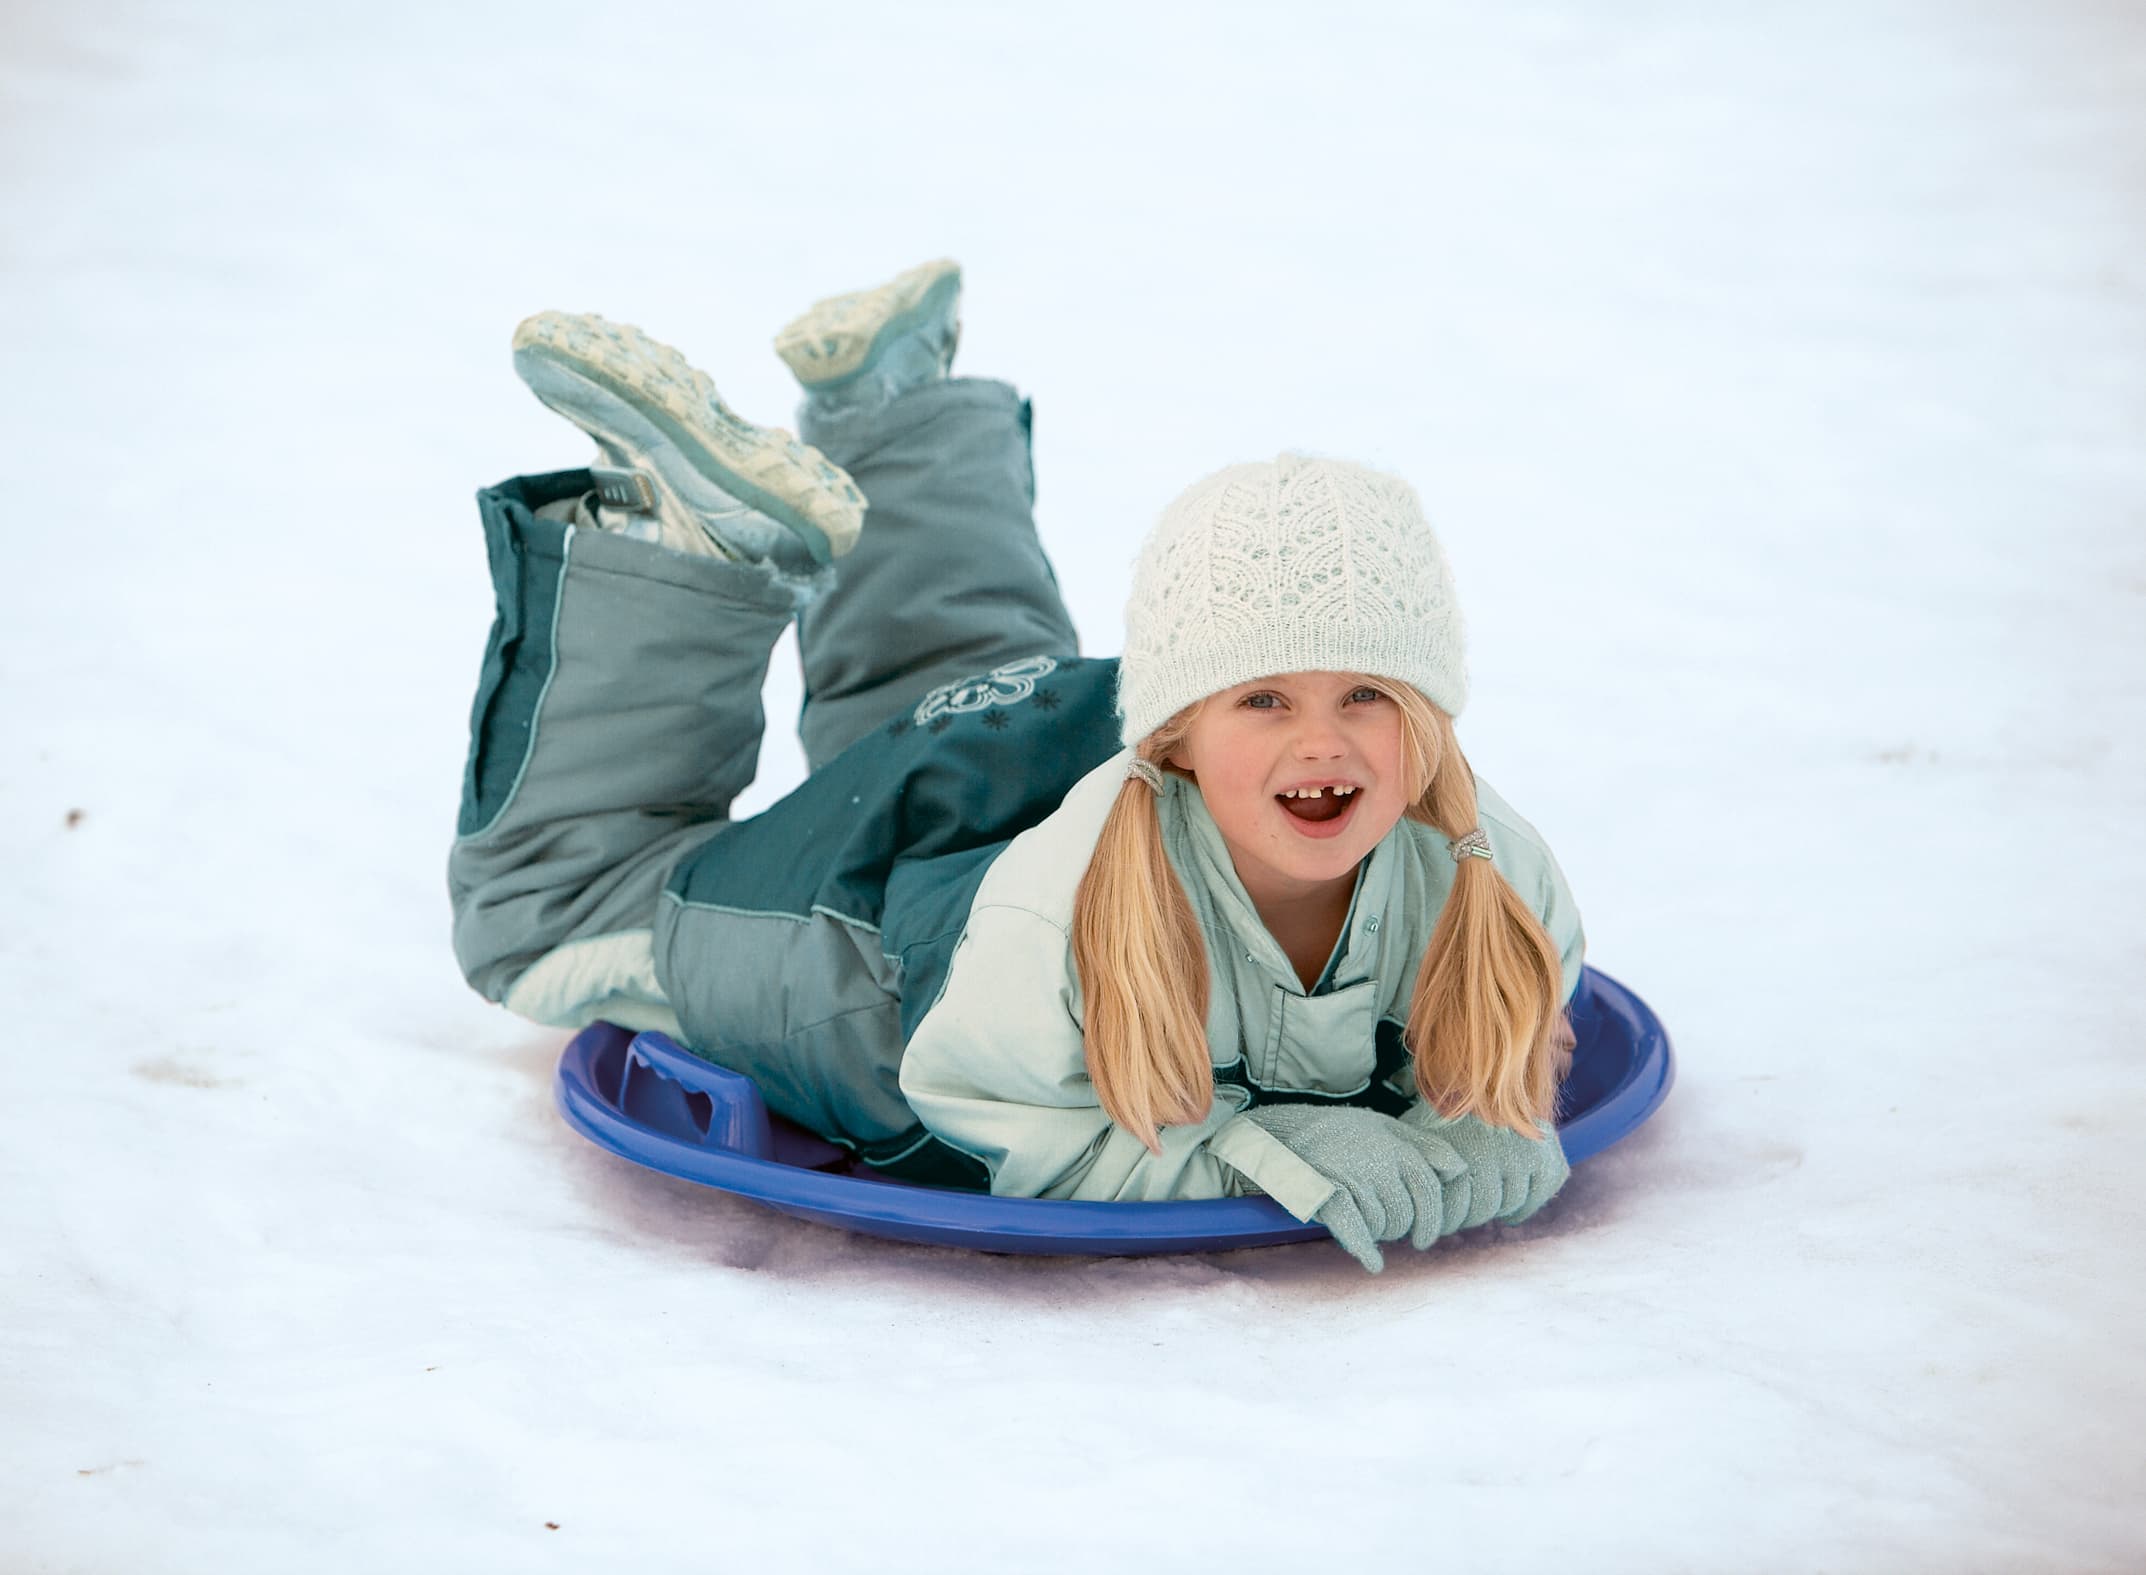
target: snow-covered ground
<point>1777,375</point>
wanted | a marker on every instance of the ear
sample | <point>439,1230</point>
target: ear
<point>1176,757</point>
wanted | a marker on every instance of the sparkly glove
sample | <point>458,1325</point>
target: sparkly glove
<point>1508,1177</point>
<point>1386,1184</point>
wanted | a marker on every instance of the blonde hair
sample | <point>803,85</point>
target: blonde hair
<point>1484,1024</point>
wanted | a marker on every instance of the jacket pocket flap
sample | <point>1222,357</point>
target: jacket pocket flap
<point>1322,1044</point>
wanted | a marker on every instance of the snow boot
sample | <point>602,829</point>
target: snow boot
<point>673,454</point>
<point>853,353</point>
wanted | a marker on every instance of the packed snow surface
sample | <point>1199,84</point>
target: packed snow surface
<point>1777,378</point>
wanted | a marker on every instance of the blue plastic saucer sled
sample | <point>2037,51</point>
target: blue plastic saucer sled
<point>644,1098</point>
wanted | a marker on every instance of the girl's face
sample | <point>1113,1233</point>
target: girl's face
<point>1259,749</point>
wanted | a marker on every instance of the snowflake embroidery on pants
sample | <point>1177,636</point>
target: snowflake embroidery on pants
<point>1007,685</point>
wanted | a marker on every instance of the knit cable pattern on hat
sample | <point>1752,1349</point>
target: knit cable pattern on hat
<point>1298,565</point>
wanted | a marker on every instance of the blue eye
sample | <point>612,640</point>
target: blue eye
<point>1268,700</point>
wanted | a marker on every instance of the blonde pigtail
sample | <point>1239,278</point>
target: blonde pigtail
<point>1143,967</point>
<point>1484,1024</point>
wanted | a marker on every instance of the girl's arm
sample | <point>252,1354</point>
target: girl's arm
<point>997,1069</point>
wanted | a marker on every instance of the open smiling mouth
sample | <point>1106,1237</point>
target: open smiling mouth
<point>1321,813</point>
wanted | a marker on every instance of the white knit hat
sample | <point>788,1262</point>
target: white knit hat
<point>1301,565</point>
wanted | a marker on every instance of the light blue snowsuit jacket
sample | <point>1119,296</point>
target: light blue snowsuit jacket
<point>996,1067</point>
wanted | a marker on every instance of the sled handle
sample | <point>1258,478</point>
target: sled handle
<point>686,1097</point>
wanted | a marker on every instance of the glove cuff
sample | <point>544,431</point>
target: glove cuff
<point>1247,1147</point>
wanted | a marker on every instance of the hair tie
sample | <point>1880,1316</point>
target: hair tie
<point>1475,842</point>
<point>1146,771</point>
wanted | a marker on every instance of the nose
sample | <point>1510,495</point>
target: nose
<point>1319,738</point>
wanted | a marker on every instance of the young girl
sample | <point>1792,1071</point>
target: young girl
<point>1229,915</point>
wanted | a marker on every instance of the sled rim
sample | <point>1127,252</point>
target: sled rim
<point>1605,1013</point>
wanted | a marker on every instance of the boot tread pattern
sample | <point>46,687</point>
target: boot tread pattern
<point>833,339</point>
<point>793,481</point>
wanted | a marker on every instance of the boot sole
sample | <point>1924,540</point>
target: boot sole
<point>840,338</point>
<point>612,378</point>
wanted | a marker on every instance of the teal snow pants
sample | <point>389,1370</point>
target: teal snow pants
<point>596,872</point>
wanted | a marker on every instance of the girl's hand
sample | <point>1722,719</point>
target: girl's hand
<point>1386,1179</point>
<point>1508,1176</point>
